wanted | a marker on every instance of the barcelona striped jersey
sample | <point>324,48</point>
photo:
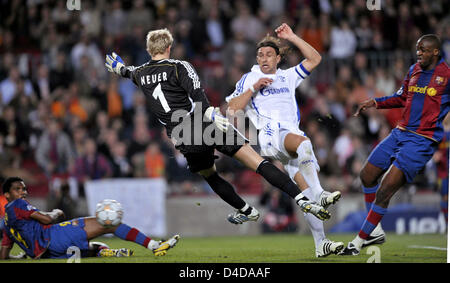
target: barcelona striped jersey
<point>32,236</point>
<point>425,96</point>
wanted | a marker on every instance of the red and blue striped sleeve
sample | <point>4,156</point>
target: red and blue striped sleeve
<point>398,99</point>
<point>23,209</point>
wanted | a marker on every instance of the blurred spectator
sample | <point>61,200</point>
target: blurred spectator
<point>273,8</point>
<point>8,159</point>
<point>326,119</point>
<point>140,15</point>
<point>215,32</point>
<point>60,74</point>
<point>60,14</point>
<point>86,47</point>
<point>241,46</point>
<point>360,67</point>
<point>54,152</point>
<point>61,199</point>
<point>343,147</point>
<point>140,136</point>
<point>79,135</point>
<point>342,41</point>
<point>121,166</point>
<point>8,87</point>
<point>311,32</point>
<point>41,84</point>
<point>91,17</point>
<point>115,19</point>
<point>245,21</point>
<point>281,216</point>
<point>405,24</point>
<point>385,82</point>
<point>336,108</point>
<point>25,104</point>
<point>106,141</point>
<point>14,132</point>
<point>154,161</point>
<point>102,126</point>
<point>67,104</point>
<point>366,91</point>
<point>364,34</point>
<point>91,165</point>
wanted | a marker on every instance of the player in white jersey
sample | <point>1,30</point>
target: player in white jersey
<point>267,95</point>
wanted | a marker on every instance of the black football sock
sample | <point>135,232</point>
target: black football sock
<point>225,191</point>
<point>246,209</point>
<point>278,179</point>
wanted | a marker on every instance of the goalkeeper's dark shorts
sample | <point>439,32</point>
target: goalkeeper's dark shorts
<point>201,156</point>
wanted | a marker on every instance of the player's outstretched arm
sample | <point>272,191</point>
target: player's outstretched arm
<point>312,57</point>
<point>47,217</point>
<point>364,105</point>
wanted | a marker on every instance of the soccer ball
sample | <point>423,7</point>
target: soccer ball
<point>109,213</point>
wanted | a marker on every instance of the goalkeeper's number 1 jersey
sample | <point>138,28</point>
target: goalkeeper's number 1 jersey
<point>168,85</point>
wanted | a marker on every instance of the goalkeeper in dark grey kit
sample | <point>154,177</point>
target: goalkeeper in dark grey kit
<point>172,87</point>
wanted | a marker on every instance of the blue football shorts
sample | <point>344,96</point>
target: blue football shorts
<point>444,186</point>
<point>408,151</point>
<point>65,235</point>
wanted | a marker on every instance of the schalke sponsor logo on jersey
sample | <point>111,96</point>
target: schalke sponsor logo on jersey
<point>268,91</point>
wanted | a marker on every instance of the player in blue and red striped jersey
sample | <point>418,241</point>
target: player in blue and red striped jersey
<point>38,237</point>
<point>425,97</point>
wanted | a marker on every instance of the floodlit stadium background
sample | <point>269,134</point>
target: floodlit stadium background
<point>53,79</point>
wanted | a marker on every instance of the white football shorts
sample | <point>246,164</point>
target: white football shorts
<point>271,141</point>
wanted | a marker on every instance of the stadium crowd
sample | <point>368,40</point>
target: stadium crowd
<point>63,115</point>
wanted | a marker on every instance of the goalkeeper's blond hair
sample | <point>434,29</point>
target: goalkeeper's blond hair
<point>158,41</point>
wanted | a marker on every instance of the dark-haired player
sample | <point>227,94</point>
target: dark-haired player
<point>173,87</point>
<point>425,97</point>
<point>267,94</point>
<point>38,237</point>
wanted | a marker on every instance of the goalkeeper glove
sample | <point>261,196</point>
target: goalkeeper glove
<point>114,63</point>
<point>213,115</point>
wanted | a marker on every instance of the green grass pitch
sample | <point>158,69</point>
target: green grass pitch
<point>279,248</point>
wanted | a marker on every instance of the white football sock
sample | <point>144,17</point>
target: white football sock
<point>358,242</point>
<point>153,245</point>
<point>315,225</point>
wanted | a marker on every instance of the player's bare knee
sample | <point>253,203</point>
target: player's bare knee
<point>292,142</point>
<point>367,178</point>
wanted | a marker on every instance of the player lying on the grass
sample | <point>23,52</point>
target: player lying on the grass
<point>38,237</point>
<point>173,86</point>
<point>267,95</point>
<point>425,96</point>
